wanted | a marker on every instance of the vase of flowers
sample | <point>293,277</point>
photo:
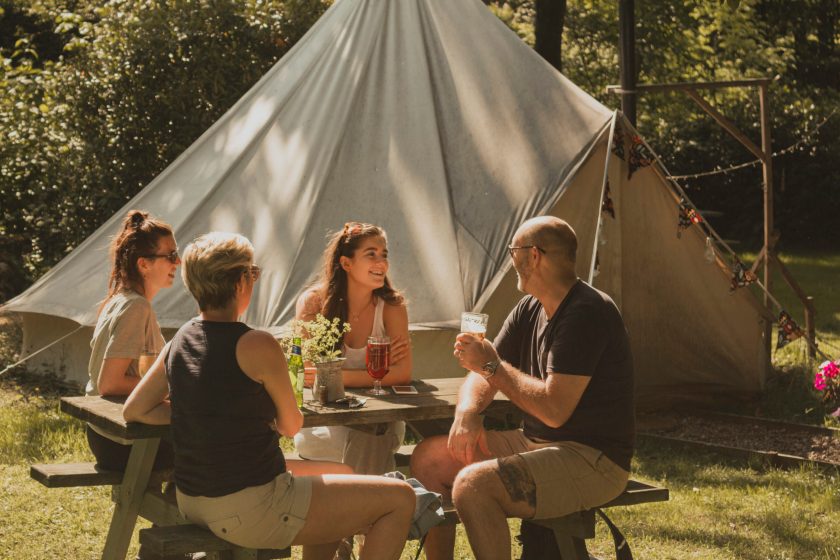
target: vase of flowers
<point>320,347</point>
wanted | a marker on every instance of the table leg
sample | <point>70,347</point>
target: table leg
<point>129,498</point>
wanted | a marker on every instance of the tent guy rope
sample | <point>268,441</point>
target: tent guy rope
<point>32,355</point>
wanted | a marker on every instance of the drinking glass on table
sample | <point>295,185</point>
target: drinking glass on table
<point>474,324</point>
<point>378,361</point>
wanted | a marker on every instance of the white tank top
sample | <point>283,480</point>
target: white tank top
<point>356,356</point>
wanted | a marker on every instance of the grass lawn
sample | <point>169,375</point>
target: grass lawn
<point>719,509</point>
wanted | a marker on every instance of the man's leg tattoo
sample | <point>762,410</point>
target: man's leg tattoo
<point>517,480</point>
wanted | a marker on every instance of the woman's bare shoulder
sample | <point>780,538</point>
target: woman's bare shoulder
<point>309,303</point>
<point>395,310</point>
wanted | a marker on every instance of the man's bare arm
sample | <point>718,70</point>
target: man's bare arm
<point>552,401</point>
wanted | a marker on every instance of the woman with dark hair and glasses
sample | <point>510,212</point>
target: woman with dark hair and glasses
<point>354,287</point>
<point>225,389</point>
<point>127,336</point>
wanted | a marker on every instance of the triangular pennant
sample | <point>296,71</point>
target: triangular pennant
<point>607,204</point>
<point>639,156</point>
<point>618,141</point>
<point>688,217</point>
<point>788,330</point>
<point>741,276</point>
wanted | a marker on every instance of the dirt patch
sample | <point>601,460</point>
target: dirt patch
<point>810,442</point>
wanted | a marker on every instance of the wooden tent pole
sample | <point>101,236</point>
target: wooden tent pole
<point>769,238</point>
<point>627,58</point>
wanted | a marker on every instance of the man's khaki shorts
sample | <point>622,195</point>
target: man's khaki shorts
<point>569,476</point>
<point>267,516</point>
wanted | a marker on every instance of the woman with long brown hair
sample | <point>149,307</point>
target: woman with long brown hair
<point>127,336</point>
<point>354,287</point>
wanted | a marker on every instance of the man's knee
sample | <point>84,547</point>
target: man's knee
<point>427,455</point>
<point>472,482</point>
<point>506,481</point>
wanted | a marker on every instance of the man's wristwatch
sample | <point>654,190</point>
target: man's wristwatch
<point>488,370</point>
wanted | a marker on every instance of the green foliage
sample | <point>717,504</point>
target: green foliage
<point>134,83</point>
<point>704,41</point>
<point>319,338</point>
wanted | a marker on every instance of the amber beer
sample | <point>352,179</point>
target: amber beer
<point>474,324</point>
<point>145,362</point>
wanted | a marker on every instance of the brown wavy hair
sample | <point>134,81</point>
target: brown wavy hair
<point>332,284</point>
<point>138,237</point>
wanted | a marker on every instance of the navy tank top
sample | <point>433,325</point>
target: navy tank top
<point>222,420</point>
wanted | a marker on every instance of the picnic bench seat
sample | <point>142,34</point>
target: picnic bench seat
<point>184,539</point>
<point>68,475</point>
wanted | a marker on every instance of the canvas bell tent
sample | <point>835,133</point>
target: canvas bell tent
<point>433,120</point>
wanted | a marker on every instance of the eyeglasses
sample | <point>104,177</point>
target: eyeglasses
<point>172,256</point>
<point>254,271</point>
<point>511,249</point>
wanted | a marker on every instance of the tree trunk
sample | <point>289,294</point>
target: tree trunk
<point>548,30</point>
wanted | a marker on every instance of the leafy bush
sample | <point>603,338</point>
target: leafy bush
<point>134,84</point>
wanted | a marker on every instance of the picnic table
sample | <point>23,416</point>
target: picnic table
<point>435,399</point>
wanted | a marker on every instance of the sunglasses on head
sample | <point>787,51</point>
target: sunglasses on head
<point>172,256</point>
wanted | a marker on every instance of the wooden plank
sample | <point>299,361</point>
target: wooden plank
<point>639,493</point>
<point>727,125</point>
<point>129,498</point>
<point>183,539</point>
<point>74,474</point>
<point>749,82</point>
<point>779,460</point>
<point>436,398</point>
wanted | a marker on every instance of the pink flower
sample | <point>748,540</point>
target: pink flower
<point>829,369</point>
<point>819,381</point>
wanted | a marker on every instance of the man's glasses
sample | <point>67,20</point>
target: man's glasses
<point>172,256</point>
<point>511,249</point>
<point>254,271</point>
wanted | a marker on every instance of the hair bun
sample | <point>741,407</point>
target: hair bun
<point>136,218</point>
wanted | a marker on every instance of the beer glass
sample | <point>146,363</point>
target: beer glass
<point>474,324</point>
<point>378,361</point>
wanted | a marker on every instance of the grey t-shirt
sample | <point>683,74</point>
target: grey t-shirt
<point>126,328</point>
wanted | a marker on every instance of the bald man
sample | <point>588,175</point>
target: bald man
<point>563,358</point>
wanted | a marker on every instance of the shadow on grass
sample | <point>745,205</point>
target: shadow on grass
<point>725,503</point>
<point>750,546</point>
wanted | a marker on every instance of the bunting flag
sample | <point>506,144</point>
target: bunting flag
<point>607,204</point>
<point>618,141</point>
<point>788,330</point>
<point>688,217</point>
<point>741,276</point>
<point>639,156</point>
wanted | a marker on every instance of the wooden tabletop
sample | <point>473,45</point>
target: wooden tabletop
<point>436,398</point>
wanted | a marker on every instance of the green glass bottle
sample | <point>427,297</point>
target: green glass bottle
<point>296,370</point>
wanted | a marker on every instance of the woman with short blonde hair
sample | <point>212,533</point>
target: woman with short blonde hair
<point>230,398</point>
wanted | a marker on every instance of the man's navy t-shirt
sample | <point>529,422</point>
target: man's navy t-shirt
<point>586,336</point>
